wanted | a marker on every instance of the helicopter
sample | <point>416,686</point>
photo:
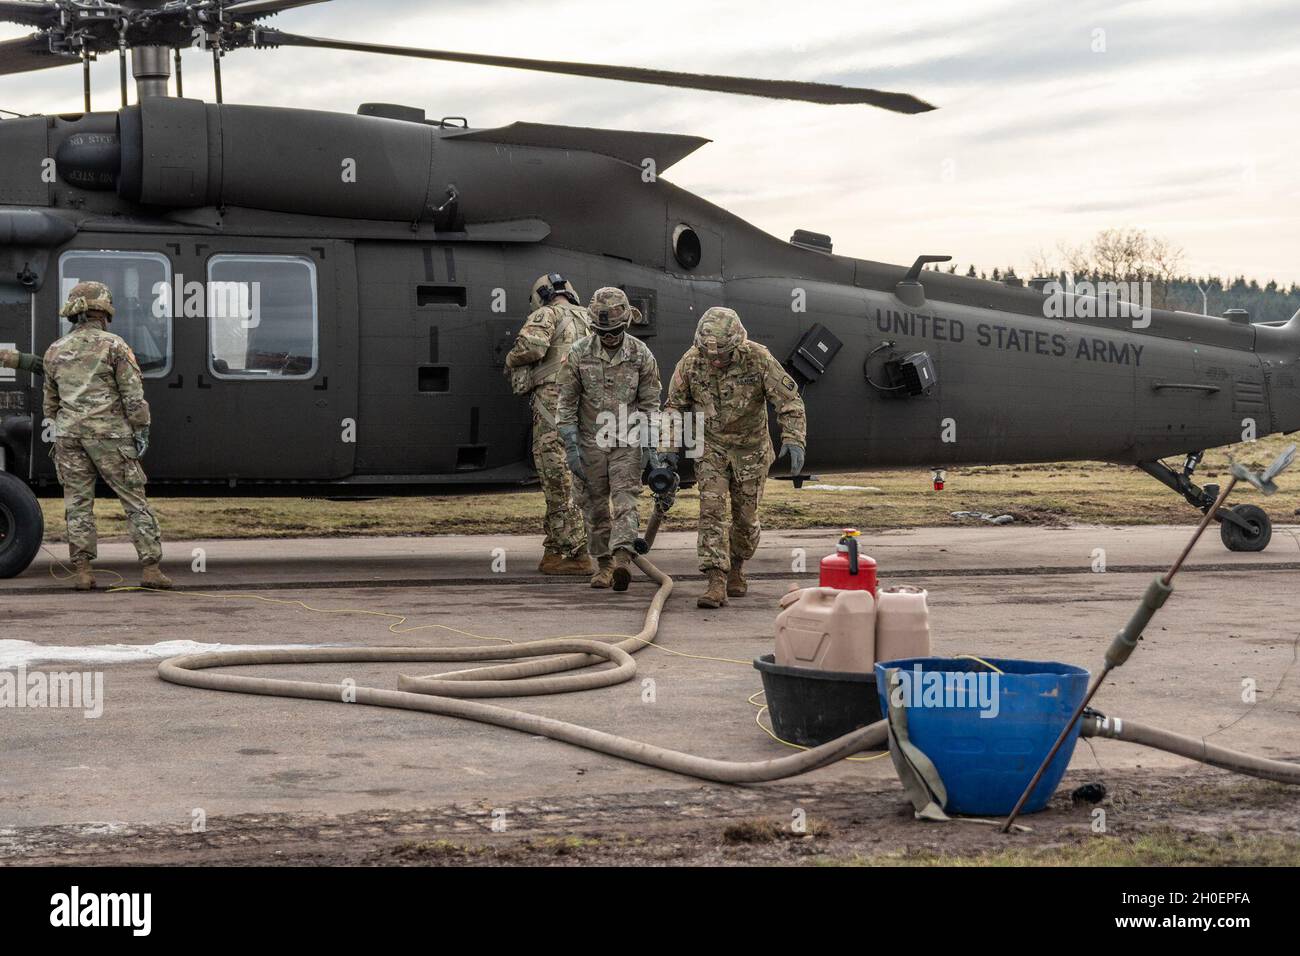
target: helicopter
<point>322,302</point>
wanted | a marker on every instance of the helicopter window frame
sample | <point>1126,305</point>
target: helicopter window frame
<point>126,254</point>
<point>245,375</point>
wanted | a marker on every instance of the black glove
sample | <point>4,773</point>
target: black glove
<point>572,452</point>
<point>796,454</point>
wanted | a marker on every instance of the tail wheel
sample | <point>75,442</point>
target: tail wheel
<point>22,526</point>
<point>1236,538</point>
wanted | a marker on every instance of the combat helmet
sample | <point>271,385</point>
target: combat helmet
<point>549,287</point>
<point>88,297</point>
<point>719,334</point>
<point>611,312</point>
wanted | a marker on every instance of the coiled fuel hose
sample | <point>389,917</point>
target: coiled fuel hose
<point>540,667</point>
<point>561,666</point>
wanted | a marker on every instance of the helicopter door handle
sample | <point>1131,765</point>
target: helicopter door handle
<point>179,383</point>
<point>203,382</point>
<point>1186,387</point>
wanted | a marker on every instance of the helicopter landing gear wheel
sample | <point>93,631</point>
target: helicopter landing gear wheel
<point>22,526</point>
<point>1237,538</point>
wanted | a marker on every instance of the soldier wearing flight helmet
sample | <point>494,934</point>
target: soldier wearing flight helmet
<point>556,322</point>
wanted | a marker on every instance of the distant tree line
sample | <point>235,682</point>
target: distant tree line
<point>1133,255</point>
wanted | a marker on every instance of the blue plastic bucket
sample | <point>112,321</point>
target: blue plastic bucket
<point>985,732</point>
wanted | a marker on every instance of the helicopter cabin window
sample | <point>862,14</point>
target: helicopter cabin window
<point>263,321</point>
<point>141,283</point>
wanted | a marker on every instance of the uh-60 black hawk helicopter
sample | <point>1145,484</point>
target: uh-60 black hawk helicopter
<point>393,255</point>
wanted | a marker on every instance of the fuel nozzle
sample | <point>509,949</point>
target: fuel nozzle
<point>661,474</point>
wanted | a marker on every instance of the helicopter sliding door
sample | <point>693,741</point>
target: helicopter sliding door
<point>275,360</point>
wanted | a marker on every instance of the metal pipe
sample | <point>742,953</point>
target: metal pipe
<point>152,70</point>
<point>1123,645</point>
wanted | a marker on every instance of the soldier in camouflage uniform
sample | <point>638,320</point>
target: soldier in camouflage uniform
<point>608,377</point>
<point>23,361</point>
<point>95,397</point>
<point>729,381</point>
<point>557,321</point>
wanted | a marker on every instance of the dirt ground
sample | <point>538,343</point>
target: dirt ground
<point>1196,817</point>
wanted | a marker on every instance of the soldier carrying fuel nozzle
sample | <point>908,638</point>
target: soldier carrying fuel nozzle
<point>609,389</point>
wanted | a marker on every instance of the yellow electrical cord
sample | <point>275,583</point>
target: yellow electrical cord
<point>54,559</point>
<point>972,657</point>
<point>758,719</point>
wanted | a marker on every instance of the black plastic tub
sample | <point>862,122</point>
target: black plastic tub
<point>810,707</point>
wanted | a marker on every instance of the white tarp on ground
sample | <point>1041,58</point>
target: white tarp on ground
<point>17,653</point>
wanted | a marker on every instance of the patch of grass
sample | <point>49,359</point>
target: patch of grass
<point>751,832</point>
<point>563,846</point>
<point>1051,494</point>
<point>434,851</point>
<point>1164,847</point>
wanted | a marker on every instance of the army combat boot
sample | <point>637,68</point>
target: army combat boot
<point>622,575</point>
<point>737,586</point>
<point>604,576</point>
<point>716,594</point>
<point>83,577</point>
<point>559,564</point>
<point>151,576</point>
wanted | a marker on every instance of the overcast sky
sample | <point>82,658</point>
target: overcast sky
<point>1057,117</point>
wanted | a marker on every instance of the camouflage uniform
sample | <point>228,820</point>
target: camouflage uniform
<point>95,396</point>
<point>598,393</point>
<point>542,346</point>
<point>737,451</point>
<point>22,361</point>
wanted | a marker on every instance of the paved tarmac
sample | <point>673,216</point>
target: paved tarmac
<point>160,752</point>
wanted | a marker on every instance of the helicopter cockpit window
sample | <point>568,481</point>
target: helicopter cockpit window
<point>262,317</point>
<point>142,301</point>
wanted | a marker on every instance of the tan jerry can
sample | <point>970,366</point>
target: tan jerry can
<point>827,629</point>
<point>902,623</point>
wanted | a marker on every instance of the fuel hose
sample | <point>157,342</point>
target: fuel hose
<point>562,666</point>
<point>539,667</point>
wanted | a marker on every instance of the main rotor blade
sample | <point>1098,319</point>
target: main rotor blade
<point>31,53</point>
<point>29,14</point>
<point>825,93</point>
<point>265,8</point>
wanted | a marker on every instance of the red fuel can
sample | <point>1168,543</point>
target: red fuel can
<point>848,569</point>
